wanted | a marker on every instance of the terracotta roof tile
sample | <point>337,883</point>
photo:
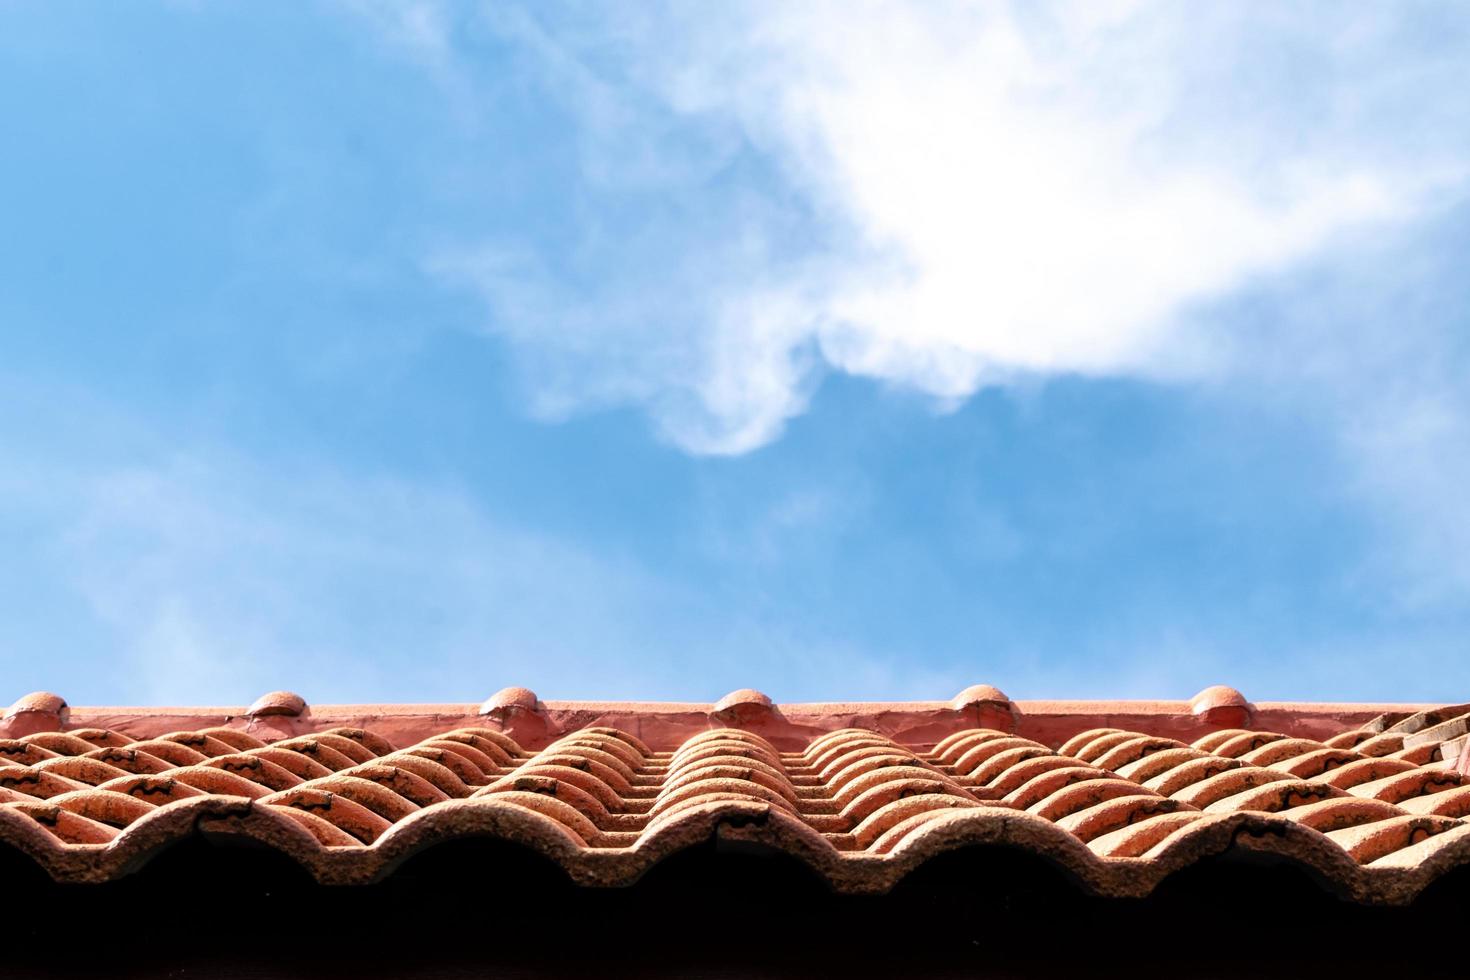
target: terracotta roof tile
<point>277,703</point>
<point>1121,795</point>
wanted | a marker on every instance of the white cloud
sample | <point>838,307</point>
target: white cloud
<point>967,192</point>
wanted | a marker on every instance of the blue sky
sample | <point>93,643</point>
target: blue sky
<point>407,351</point>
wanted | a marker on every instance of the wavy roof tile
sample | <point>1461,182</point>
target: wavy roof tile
<point>1374,798</point>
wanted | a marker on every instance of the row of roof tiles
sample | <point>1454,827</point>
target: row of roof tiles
<point>1380,808</point>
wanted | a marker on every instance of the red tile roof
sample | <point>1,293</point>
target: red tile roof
<point>1374,798</point>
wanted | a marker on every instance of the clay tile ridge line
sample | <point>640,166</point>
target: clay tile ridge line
<point>1050,722</point>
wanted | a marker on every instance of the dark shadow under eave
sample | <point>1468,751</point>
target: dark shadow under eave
<point>478,906</point>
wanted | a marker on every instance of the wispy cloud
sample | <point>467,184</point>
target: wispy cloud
<point>216,575</point>
<point>1370,350</point>
<point>186,572</point>
<point>946,196</point>
<point>951,196</point>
